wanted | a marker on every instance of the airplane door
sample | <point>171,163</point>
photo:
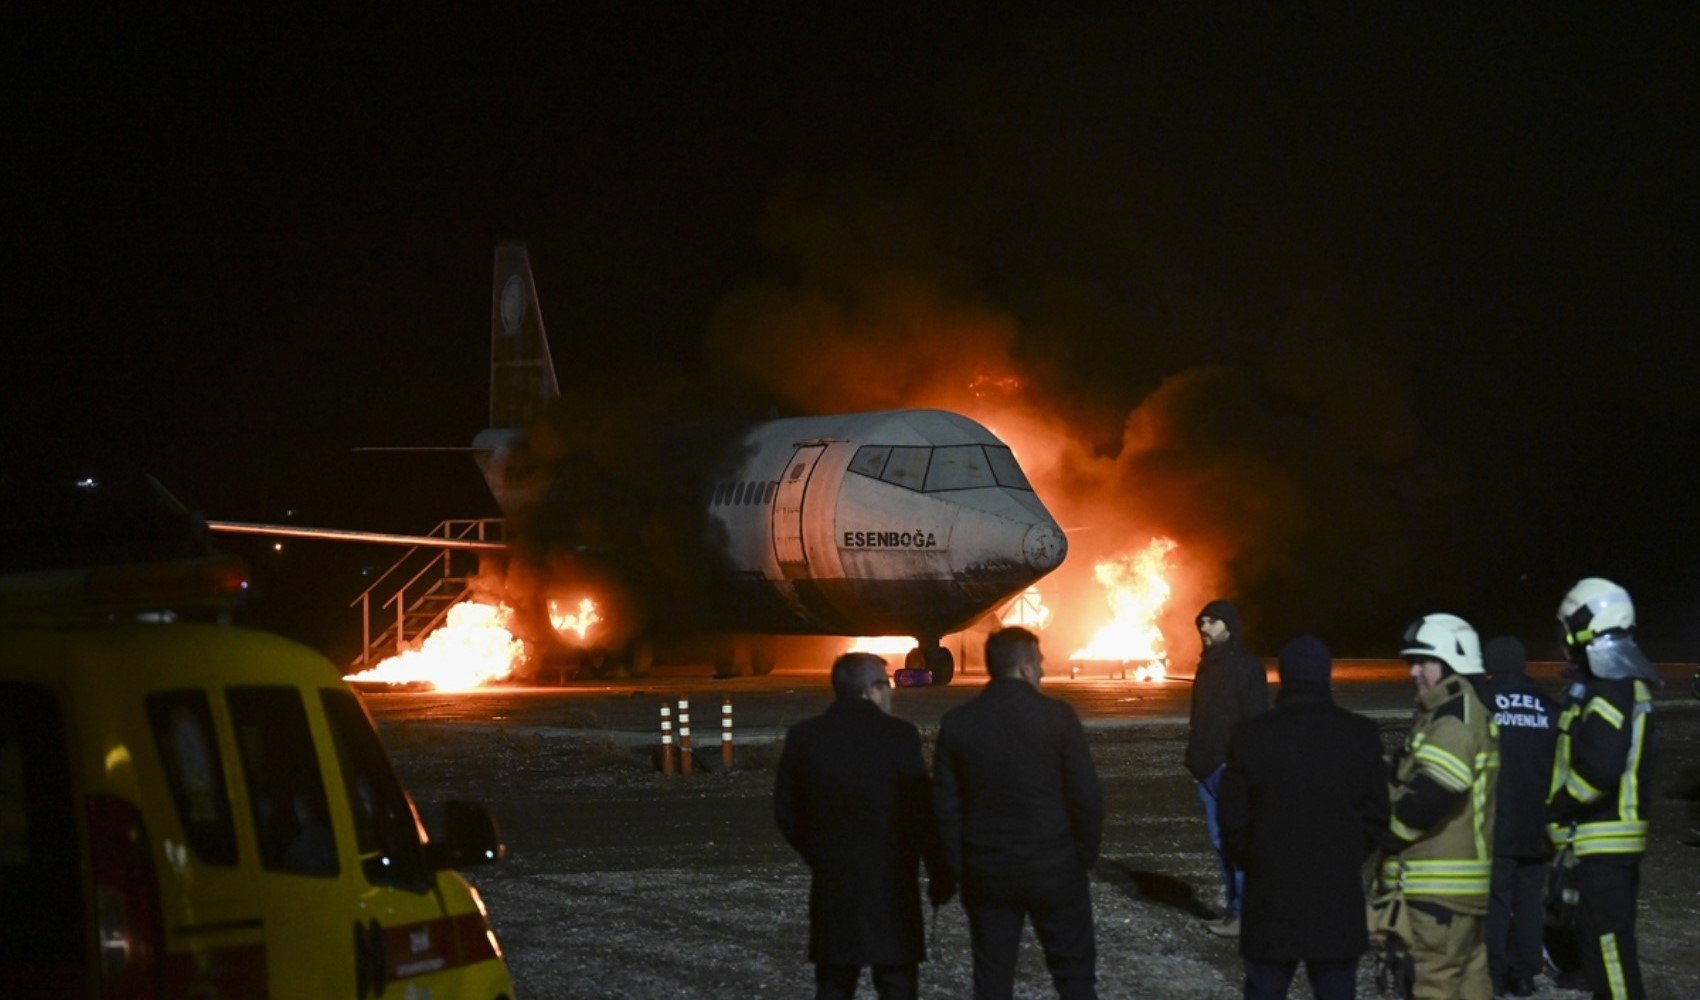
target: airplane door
<point>788,511</point>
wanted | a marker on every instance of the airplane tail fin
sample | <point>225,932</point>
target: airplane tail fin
<point>522,375</point>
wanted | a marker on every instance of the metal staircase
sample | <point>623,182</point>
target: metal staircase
<point>415,594</point>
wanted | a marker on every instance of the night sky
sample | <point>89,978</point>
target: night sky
<point>1406,300</point>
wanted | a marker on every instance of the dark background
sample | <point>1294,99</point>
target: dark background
<point>1447,259</point>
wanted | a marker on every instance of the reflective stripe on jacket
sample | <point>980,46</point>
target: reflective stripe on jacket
<point>1454,743</point>
<point>1603,756</point>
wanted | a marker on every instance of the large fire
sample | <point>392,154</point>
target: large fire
<point>1137,589</point>
<point>473,647</point>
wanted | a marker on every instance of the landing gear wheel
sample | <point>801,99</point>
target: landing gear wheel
<point>942,664</point>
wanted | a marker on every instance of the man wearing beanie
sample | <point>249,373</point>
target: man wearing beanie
<point>1527,719</point>
<point>1303,802</point>
<point>1228,687</point>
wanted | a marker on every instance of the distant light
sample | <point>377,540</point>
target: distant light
<point>88,483</point>
<point>277,546</point>
<point>291,512</point>
<point>490,854</point>
<point>386,862</point>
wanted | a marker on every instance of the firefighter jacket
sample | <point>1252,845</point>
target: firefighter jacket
<point>1440,843</point>
<point>1600,770</point>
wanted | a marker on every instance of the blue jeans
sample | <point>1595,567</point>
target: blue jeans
<point>1233,879</point>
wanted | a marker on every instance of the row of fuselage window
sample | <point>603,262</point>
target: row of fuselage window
<point>743,494</point>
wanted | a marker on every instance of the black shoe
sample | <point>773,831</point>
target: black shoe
<point>1522,986</point>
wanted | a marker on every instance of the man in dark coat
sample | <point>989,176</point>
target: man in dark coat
<point>1528,730</point>
<point>1304,797</point>
<point>852,797</point>
<point>1020,815</point>
<point>1229,687</point>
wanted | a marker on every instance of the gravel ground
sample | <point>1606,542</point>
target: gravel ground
<point>623,883</point>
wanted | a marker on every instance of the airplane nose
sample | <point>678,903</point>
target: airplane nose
<point>1044,546</point>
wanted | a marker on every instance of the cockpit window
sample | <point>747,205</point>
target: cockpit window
<point>870,460</point>
<point>959,467</point>
<point>907,467</point>
<point>935,470</point>
<point>1006,469</point>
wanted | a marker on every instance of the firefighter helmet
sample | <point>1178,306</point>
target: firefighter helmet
<point>1447,638</point>
<point>1592,608</point>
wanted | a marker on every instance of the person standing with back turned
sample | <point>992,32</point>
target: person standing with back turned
<point>851,795</point>
<point>1304,801</point>
<point>1527,720</point>
<point>1020,815</point>
<point>1228,687</point>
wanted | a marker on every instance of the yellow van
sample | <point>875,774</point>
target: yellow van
<point>200,810</point>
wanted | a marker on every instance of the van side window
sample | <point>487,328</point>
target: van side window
<point>188,746</point>
<point>280,766</point>
<point>40,868</point>
<point>386,829</point>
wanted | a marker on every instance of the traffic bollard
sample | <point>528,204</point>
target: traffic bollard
<point>666,739</point>
<point>726,734</point>
<point>685,736</point>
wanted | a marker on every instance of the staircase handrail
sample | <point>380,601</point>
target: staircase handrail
<point>464,526</point>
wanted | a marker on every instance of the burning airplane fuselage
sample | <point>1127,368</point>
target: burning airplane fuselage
<point>901,522</point>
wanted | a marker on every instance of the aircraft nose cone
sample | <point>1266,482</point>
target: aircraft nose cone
<point>1044,546</point>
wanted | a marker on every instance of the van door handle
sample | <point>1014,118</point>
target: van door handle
<point>370,960</point>
<point>362,963</point>
<point>380,956</point>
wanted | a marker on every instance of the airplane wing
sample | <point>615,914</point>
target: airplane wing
<point>345,535</point>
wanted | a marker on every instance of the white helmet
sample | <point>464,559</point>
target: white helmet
<point>1447,638</point>
<point>1592,608</point>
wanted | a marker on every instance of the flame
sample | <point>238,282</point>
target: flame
<point>883,645</point>
<point>474,646</point>
<point>1028,610</point>
<point>579,623</point>
<point>1138,589</point>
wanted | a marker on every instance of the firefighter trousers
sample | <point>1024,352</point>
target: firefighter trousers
<point>1449,950</point>
<point>1605,925</point>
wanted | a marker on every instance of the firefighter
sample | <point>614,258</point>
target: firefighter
<point>1595,807</point>
<point>1439,842</point>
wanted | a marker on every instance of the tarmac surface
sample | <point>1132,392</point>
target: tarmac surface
<point>623,882</point>
<point>629,711</point>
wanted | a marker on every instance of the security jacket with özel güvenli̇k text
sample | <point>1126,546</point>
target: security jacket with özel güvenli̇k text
<point>1440,838</point>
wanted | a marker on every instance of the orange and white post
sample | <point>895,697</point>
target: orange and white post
<point>726,734</point>
<point>684,736</point>
<point>666,738</point>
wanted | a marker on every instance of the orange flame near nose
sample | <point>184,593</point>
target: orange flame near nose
<point>1137,590</point>
<point>1027,611</point>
